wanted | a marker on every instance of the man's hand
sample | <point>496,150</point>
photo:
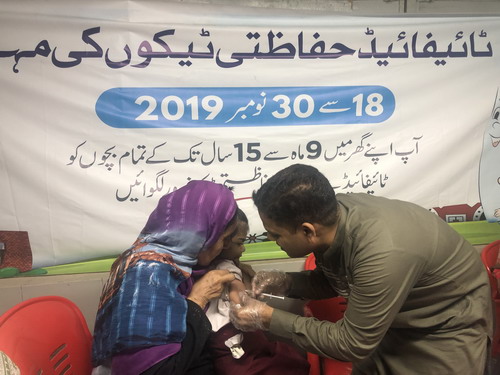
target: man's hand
<point>273,282</point>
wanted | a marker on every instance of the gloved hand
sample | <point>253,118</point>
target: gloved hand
<point>250,314</point>
<point>273,282</point>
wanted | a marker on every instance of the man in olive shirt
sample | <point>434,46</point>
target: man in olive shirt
<point>418,295</point>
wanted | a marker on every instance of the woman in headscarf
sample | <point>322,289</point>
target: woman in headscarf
<point>151,316</point>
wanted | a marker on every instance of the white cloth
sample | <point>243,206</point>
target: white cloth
<point>218,309</point>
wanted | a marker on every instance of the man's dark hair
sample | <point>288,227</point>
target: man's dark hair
<point>297,194</point>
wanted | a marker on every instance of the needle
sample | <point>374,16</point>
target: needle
<point>272,296</point>
<point>249,292</point>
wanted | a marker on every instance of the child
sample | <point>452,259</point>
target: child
<point>245,353</point>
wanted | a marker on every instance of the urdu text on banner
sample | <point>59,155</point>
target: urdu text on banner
<point>108,106</point>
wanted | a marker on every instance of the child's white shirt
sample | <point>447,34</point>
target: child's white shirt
<point>218,309</point>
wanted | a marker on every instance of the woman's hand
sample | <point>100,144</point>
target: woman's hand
<point>274,282</point>
<point>250,314</point>
<point>209,286</point>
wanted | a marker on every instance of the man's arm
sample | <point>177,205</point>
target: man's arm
<point>381,286</point>
<point>310,285</point>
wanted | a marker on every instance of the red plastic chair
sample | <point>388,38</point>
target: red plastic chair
<point>489,256</point>
<point>331,309</point>
<point>46,335</point>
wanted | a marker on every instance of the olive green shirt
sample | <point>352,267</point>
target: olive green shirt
<point>418,295</point>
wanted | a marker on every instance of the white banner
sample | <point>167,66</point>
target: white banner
<point>108,105</point>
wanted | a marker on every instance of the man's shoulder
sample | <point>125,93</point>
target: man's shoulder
<point>356,199</point>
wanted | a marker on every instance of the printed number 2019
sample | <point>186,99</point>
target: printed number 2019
<point>211,104</point>
<point>173,107</point>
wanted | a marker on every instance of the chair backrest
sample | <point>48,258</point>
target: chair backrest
<point>331,309</point>
<point>489,256</point>
<point>46,335</point>
<point>310,262</point>
<point>489,253</point>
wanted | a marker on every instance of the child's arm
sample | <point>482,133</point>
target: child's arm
<point>235,288</point>
<point>247,274</point>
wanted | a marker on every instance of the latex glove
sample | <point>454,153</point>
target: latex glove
<point>210,286</point>
<point>250,314</point>
<point>273,282</point>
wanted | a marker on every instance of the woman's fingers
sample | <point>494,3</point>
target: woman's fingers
<point>210,286</point>
<point>228,277</point>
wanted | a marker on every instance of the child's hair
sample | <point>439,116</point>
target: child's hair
<point>297,194</point>
<point>233,220</point>
<point>241,215</point>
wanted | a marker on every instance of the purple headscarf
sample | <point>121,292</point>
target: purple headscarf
<point>189,220</point>
<point>141,305</point>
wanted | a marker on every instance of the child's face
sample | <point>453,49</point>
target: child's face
<point>207,255</point>
<point>235,248</point>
